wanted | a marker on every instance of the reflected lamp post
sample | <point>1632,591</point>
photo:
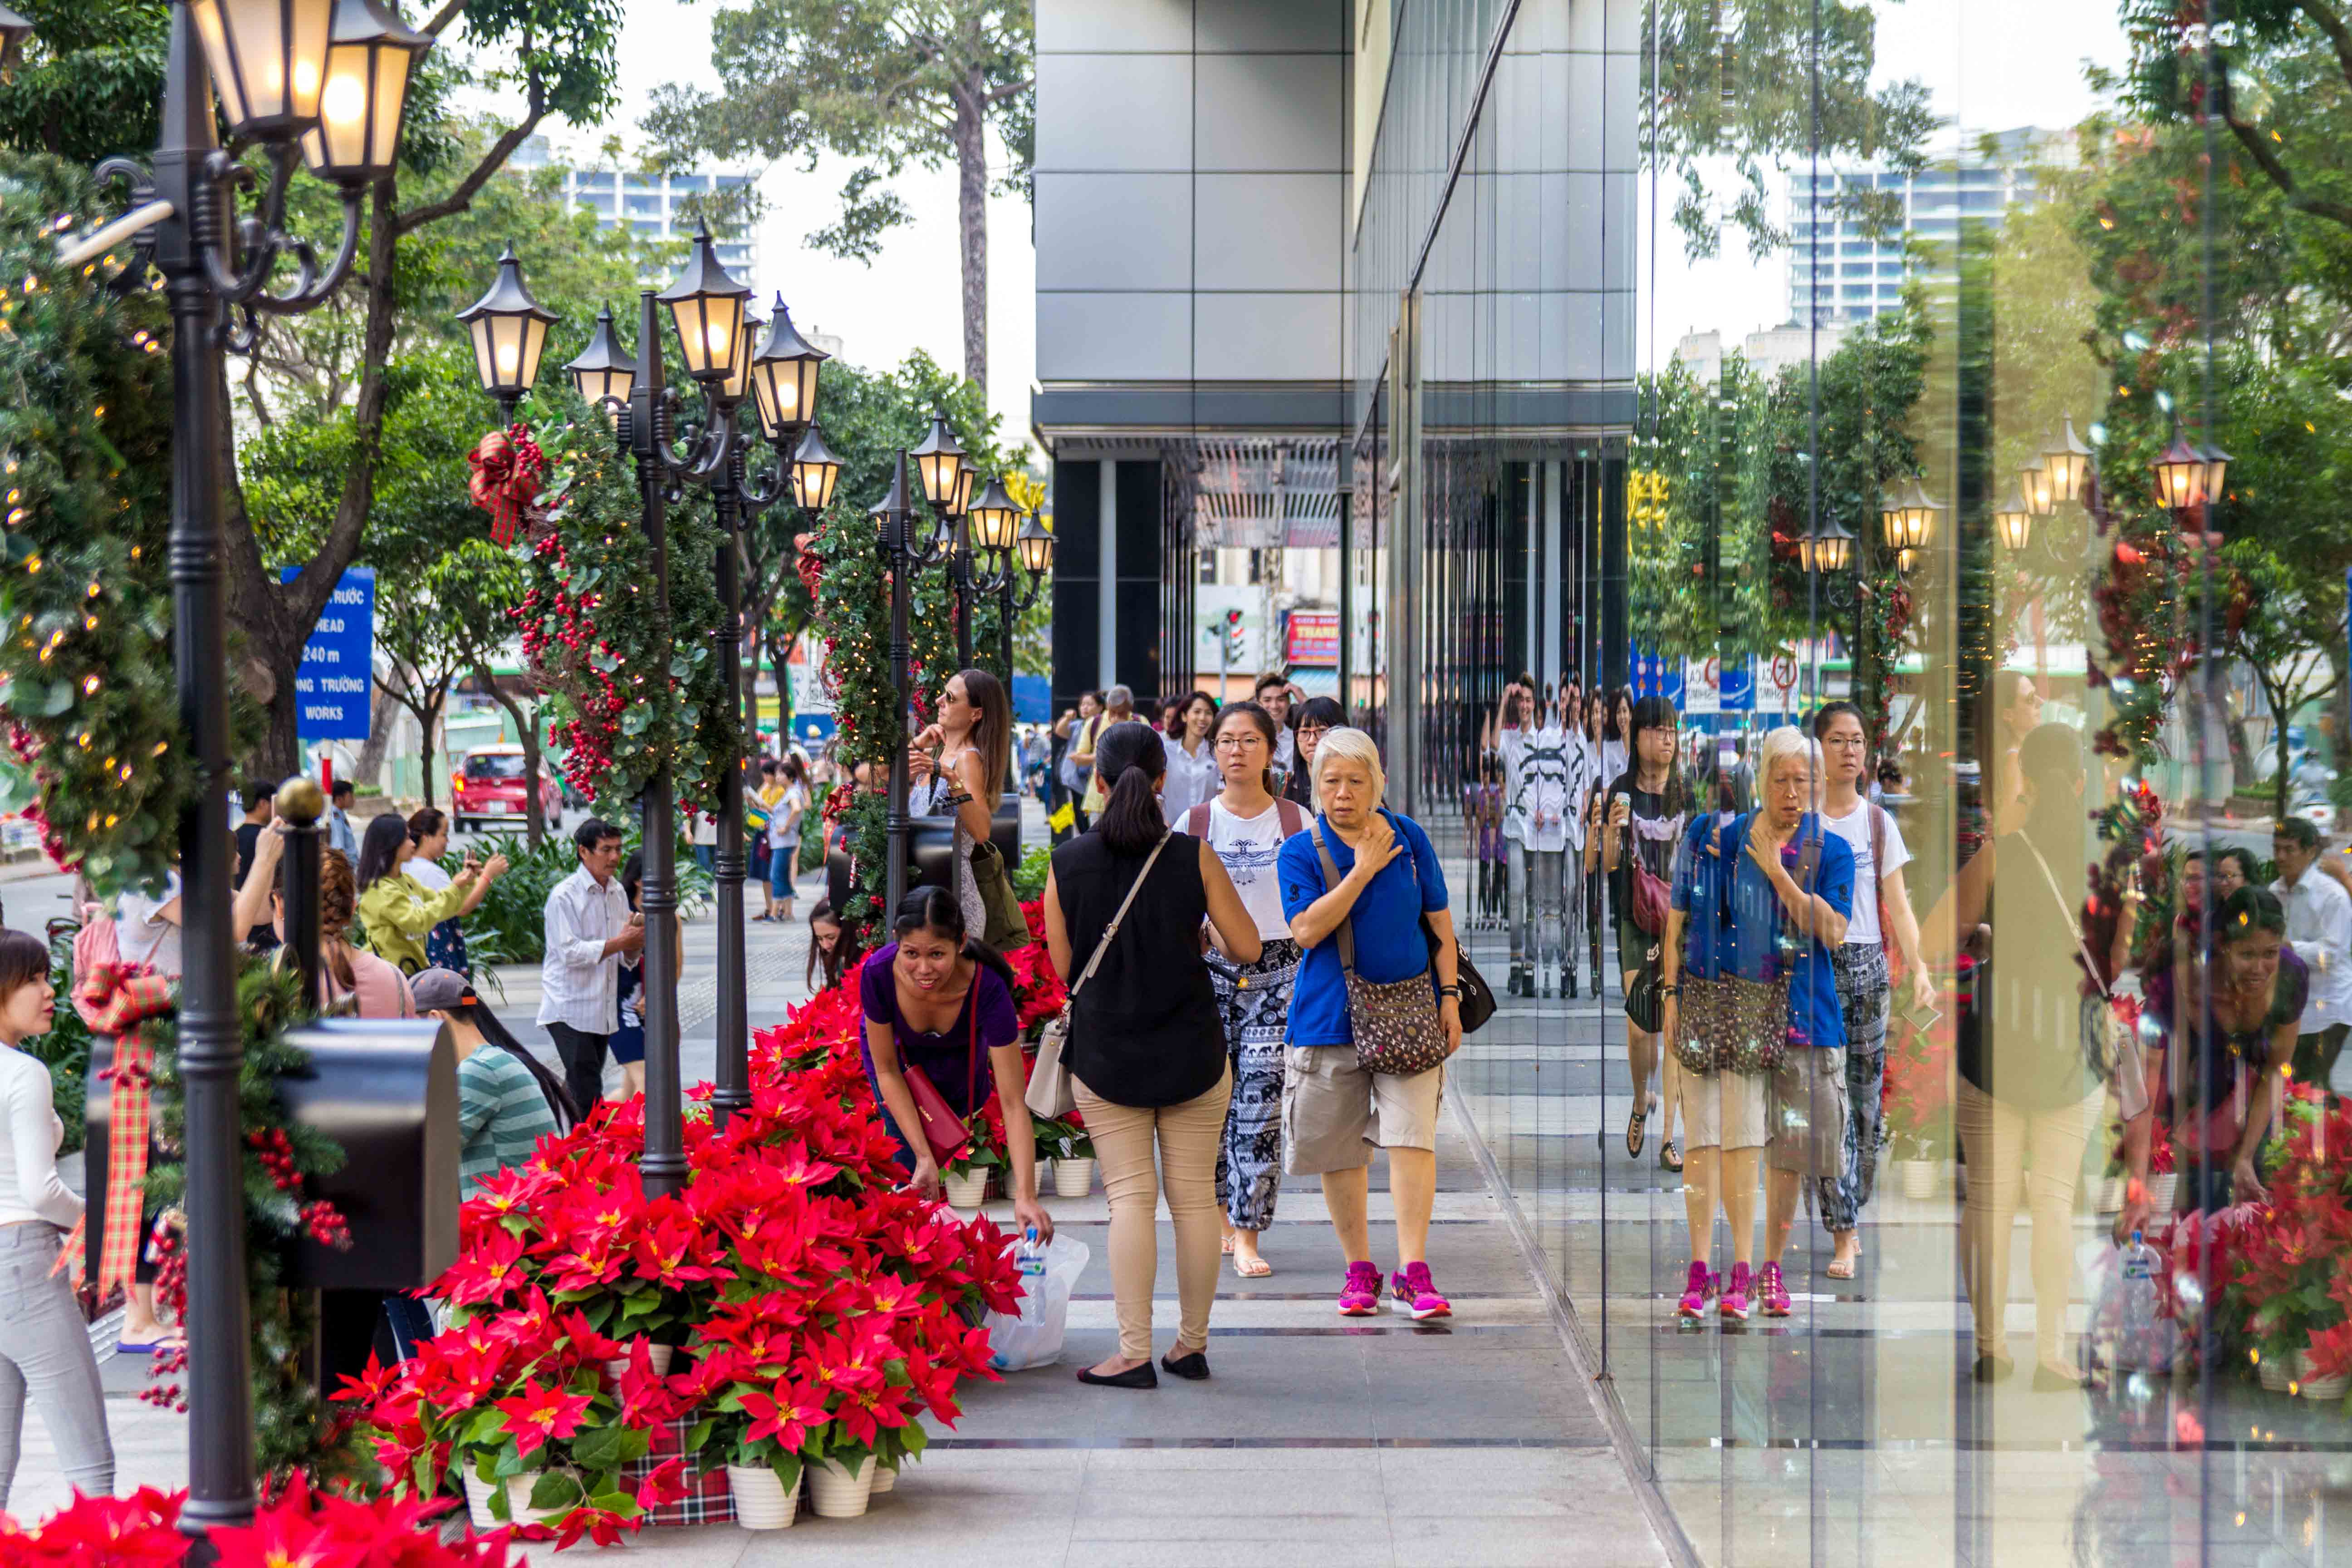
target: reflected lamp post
<point>326,78</point>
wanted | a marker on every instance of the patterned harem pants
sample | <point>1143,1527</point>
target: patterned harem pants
<point>1255,1000</point>
<point>1862,987</point>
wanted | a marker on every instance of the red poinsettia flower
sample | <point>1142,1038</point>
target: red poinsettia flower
<point>539,1415</point>
<point>785,1418</point>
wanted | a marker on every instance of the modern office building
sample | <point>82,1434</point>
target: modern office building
<point>1369,283</point>
<point>657,207</point>
<point>1843,268</point>
<point>1266,233</point>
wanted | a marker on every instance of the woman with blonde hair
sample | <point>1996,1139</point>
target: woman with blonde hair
<point>1356,886</point>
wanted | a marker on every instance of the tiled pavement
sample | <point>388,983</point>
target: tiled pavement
<point>1373,1442</point>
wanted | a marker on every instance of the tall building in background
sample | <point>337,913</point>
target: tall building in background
<point>657,207</point>
<point>1848,276</point>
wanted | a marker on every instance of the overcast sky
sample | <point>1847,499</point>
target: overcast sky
<point>1991,64</point>
<point>909,298</point>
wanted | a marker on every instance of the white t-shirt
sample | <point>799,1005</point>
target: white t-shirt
<point>428,873</point>
<point>1248,845</point>
<point>1862,925</point>
<point>1191,779</point>
<point>144,935</point>
<point>1541,769</point>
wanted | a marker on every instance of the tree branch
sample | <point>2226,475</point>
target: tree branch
<point>448,13</point>
<point>1010,90</point>
<point>494,160</point>
<point>2258,147</point>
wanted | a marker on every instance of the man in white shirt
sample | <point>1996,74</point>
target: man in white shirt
<point>2319,929</point>
<point>590,929</point>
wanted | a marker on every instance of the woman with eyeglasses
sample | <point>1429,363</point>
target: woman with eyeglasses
<point>1318,717</point>
<point>1245,826</point>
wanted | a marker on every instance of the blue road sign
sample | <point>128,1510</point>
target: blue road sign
<point>336,678</point>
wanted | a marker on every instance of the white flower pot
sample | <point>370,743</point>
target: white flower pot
<point>2160,1191</point>
<point>837,1493</point>
<point>760,1500</point>
<point>886,1480</point>
<point>2276,1372</point>
<point>1073,1178</point>
<point>2111,1195</point>
<point>2312,1387</point>
<point>660,1356</point>
<point>965,1192</point>
<point>1918,1178</point>
<point>519,1509</point>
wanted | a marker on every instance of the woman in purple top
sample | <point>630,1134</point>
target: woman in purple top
<point>936,1001</point>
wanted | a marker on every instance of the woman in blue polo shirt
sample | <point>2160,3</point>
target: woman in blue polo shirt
<point>1770,888</point>
<point>1334,1111</point>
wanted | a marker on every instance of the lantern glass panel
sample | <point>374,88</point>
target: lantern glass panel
<point>1037,549</point>
<point>268,60</point>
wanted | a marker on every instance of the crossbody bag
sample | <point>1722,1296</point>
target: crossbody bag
<point>1394,1022</point>
<point>1051,1093</point>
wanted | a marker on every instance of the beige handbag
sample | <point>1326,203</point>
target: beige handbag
<point>1050,1093</point>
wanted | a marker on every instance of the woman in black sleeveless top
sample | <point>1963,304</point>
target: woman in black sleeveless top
<point>1146,1045</point>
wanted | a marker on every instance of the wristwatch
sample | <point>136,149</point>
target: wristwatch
<point>1454,991</point>
<point>1670,990</point>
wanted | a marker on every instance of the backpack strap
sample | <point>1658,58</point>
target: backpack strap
<point>1878,845</point>
<point>1294,821</point>
<point>1196,821</point>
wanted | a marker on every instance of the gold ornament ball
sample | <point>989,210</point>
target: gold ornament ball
<point>301,802</point>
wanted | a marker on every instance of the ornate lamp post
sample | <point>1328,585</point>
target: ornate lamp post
<point>510,333</point>
<point>936,464</point>
<point>781,380</point>
<point>995,524</point>
<point>336,75</point>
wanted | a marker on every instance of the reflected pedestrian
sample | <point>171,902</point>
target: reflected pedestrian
<point>590,933</point>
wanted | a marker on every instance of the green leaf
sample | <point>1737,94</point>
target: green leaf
<point>557,1489</point>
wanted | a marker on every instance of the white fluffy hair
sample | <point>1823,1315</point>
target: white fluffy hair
<point>1354,744</point>
<point>1781,744</point>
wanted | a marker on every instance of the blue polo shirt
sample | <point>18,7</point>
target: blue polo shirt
<point>1744,936</point>
<point>1387,919</point>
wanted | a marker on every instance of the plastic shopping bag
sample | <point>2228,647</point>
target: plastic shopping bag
<point>1034,1337</point>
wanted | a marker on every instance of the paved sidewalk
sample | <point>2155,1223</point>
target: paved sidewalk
<point>1369,1442</point>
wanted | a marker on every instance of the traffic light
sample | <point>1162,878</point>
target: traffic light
<point>1232,623</point>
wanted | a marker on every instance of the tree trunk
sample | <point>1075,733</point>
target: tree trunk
<point>370,765</point>
<point>428,716</point>
<point>277,620</point>
<point>972,216</point>
<point>534,815</point>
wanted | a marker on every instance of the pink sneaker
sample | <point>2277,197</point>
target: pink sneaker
<point>1361,1295</point>
<point>1775,1295</point>
<point>1697,1290</point>
<point>1734,1305</point>
<point>1416,1294</point>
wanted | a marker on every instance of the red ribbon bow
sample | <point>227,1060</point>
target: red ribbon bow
<point>113,998</point>
<point>508,465</point>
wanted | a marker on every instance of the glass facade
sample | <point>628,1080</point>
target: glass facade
<point>1993,510</point>
<point>1448,345</point>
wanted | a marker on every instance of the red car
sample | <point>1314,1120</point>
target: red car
<point>488,789</point>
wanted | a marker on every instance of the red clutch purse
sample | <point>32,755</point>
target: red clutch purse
<point>944,1130</point>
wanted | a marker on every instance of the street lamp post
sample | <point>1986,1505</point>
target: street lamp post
<point>902,557</point>
<point>331,74</point>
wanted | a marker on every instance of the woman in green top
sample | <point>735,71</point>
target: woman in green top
<point>396,910</point>
<point>507,1100</point>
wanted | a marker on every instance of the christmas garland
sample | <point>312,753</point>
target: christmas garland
<point>852,592</point>
<point>87,688</point>
<point>592,634</point>
<point>280,1154</point>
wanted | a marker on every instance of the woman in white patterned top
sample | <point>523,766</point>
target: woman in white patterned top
<point>1245,827</point>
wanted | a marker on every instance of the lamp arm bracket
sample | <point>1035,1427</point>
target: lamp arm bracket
<point>767,487</point>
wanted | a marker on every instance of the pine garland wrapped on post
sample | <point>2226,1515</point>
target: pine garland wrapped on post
<point>592,635</point>
<point>86,680</point>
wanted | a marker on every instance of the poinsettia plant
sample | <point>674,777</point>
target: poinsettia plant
<point>1062,1137</point>
<point>1917,1097</point>
<point>2284,1287</point>
<point>983,1142</point>
<point>295,1526</point>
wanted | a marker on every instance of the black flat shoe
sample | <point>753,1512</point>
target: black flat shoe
<point>1993,1368</point>
<point>1140,1376</point>
<point>1192,1364</point>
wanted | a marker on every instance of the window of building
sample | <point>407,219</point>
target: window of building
<point>645,204</point>
<point>1980,201</point>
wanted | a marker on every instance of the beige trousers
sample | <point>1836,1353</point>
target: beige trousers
<point>2001,1141</point>
<point>1187,1135</point>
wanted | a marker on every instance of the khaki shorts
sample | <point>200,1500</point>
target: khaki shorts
<point>1334,1111</point>
<point>1808,1111</point>
<point>1724,1110</point>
